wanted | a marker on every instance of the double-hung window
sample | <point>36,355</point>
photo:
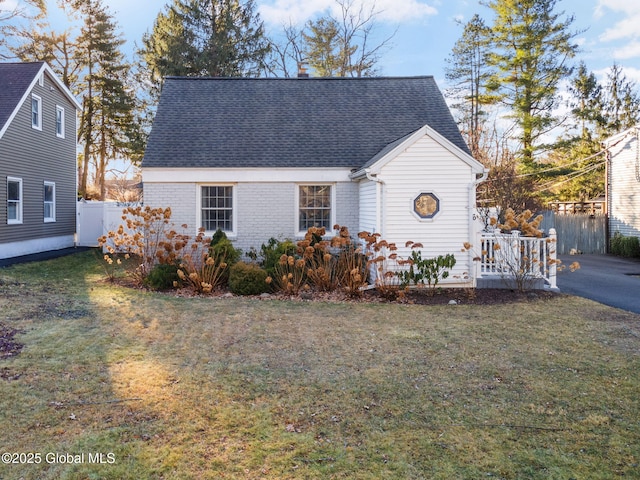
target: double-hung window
<point>36,112</point>
<point>59,121</point>
<point>216,206</point>
<point>49,202</point>
<point>314,207</point>
<point>14,200</point>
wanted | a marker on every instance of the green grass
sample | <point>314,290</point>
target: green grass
<point>242,388</point>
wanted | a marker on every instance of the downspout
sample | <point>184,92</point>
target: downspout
<point>472,222</point>
<point>379,184</point>
<point>378,227</point>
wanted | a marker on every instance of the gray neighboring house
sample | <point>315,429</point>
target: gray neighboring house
<point>37,160</point>
<point>261,158</point>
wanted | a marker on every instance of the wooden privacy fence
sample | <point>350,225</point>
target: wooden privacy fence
<point>578,233</point>
<point>519,259</point>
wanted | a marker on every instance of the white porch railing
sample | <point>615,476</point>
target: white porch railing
<point>511,256</point>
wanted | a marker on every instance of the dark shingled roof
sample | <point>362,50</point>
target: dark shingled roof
<point>15,79</point>
<point>314,122</point>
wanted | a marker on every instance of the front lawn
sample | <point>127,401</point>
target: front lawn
<point>117,383</point>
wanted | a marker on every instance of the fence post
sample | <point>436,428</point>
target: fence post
<point>553,258</point>
<point>515,249</point>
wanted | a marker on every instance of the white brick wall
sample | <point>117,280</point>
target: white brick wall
<point>348,211</point>
<point>181,197</point>
<point>263,210</point>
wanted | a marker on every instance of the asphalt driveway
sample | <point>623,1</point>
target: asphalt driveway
<point>607,279</point>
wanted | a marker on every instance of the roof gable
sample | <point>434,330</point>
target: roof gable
<point>387,154</point>
<point>317,122</point>
<point>16,82</point>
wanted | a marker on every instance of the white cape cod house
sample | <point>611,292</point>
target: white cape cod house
<point>261,158</point>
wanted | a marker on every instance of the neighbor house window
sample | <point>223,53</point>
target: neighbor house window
<point>314,207</point>
<point>59,121</point>
<point>36,112</point>
<point>49,202</point>
<point>217,208</point>
<point>14,200</point>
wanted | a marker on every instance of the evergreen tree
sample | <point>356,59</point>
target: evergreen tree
<point>323,50</point>
<point>532,47</point>
<point>108,127</point>
<point>621,103</point>
<point>586,102</point>
<point>219,38</point>
<point>340,46</point>
<point>468,73</point>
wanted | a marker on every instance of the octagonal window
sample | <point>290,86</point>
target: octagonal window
<point>426,205</point>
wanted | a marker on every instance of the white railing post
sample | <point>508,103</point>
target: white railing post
<point>515,249</point>
<point>553,257</point>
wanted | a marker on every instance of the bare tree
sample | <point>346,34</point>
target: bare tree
<point>339,45</point>
<point>9,17</point>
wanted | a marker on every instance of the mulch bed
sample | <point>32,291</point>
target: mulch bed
<point>478,296</point>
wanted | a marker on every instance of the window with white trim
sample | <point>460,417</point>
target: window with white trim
<point>216,206</point>
<point>49,202</point>
<point>59,121</point>
<point>14,200</point>
<point>36,112</point>
<point>314,207</point>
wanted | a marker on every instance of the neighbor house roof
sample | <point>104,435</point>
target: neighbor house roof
<point>310,122</point>
<point>16,81</point>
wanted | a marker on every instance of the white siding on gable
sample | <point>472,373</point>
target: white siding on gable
<point>624,177</point>
<point>427,167</point>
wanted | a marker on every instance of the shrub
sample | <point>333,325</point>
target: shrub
<point>203,269</point>
<point>625,246</point>
<point>352,269</point>
<point>427,271</point>
<point>289,275</point>
<point>221,246</point>
<point>247,279</point>
<point>163,276</point>
<point>146,237</point>
<point>270,253</point>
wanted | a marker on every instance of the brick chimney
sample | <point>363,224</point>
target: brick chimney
<point>302,71</point>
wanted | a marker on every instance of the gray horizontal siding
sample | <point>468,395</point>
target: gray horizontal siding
<point>37,156</point>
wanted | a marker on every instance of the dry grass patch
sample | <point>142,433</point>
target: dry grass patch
<point>243,388</point>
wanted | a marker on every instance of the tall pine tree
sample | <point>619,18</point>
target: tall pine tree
<point>532,50</point>
<point>468,72</point>
<point>218,38</point>
<point>108,127</point>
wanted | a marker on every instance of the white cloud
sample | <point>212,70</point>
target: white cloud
<point>298,11</point>
<point>628,50</point>
<point>633,74</point>
<point>281,12</point>
<point>623,35</point>
<point>625,28</point>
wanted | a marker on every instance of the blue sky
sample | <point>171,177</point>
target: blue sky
<point>428,29</point>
